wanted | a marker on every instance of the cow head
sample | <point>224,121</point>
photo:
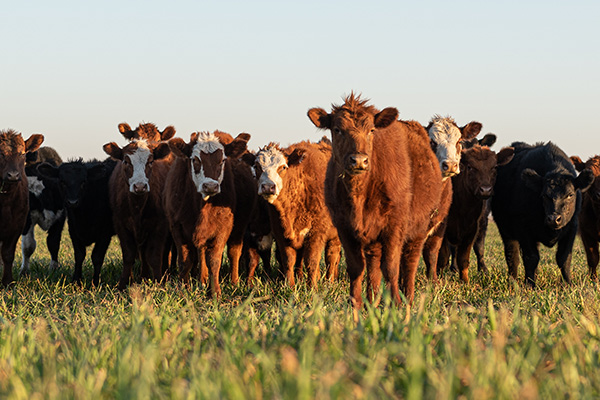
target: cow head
<point>446,142</point>
<point>558,189</point>
<point>593,164</point>
<point>146,131</point>
<point>13,150</point>
<point>270,166</point>
<point>73,178</point>
<point>352,126</point>
<point>479,169</point>
<point>207,157</point>
<point>137,158</point>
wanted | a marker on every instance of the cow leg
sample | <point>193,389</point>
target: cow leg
<point>79,255</point>
<point>312,259</point>
<point>129,253</point>
<point>531,259</point>
<point>410,260</point>
<point>443,257</point>
<point>431,250</point>
<point>53,241</point>
<point>8,256</point>
<point>333,254</point>
<point>98,254</point>
<point>463,252</point>
<point>234,252</point>
<point>288,260</point>
<point>479,245</point>
<point>298,267</point>
<point>590,245</point>
<point>214,257</point>
<point>187,257</point>
<point>372,256</point>
<point>511,254</point>
<point>390,267</point>
<point>28,245</point>
<point>253,260</point>
<point>453,264</point>
<point>564,251</point>
<point>154,257</point>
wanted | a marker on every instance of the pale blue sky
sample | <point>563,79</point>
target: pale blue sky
<point>73,70</point>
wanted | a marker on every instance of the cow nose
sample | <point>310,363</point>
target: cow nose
<point>554,220</point>
<point>210,187</point>
<point>450,168</point>
<point>13,176</point>
<point>268,188</point>
<point>485,191</point>
<point>358,161</point>
<point>73,203</point>
<point>140,188</point>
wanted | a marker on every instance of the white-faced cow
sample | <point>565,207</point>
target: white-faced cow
<point>14,194</point>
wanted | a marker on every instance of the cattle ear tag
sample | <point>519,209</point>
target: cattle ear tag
<point>205,198</point>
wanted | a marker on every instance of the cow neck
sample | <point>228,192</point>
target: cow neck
<point>463,196</point>
<point>291,202</point>
<point>355,191</point>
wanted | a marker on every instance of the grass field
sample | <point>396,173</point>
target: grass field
<point>493,338</point>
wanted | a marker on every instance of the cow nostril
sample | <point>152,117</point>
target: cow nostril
<point>445,166</point>
<point>558,219</point>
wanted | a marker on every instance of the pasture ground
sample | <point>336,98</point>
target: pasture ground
<point>493,338</point>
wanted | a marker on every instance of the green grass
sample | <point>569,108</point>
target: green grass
<point>493,338</point>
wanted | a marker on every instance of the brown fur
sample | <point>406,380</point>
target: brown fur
<point>299,218</point>
<point>382,207</point>
<point>471,188</point>
<point>147,131</point>
<point>14,194</point>
<point>200,227</point>
<point>589,218</point>
<point>139,219</point>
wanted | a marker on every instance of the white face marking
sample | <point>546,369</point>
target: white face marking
<point>207,143</point>
<point>445,134</point>
<point>138,159</point>
<point>35,185</point>
<point>270,159</point>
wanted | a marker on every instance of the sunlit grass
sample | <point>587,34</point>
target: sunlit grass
<point>493,338</point>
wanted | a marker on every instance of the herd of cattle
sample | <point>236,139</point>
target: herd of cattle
<point>385,190</point>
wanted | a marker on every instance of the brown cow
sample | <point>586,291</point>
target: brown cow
<point>147,131</point>
<point>471,189</point>
<point>589,219</point>
<point>200,199</point>
<point>14,193</point>
<point>135,192</point>
<point>383,186</point>
<point>291,180</point>
<point>445,138</point>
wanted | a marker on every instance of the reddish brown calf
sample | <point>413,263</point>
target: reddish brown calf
<point>14,194</point>
<point>383,185</point>
<point>135,192</point>
<point>589,219</point>
<point>471,189</point>
<point>147,131</point>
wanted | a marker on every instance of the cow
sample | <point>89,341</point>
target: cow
<point>445,138</point>
<point>258,241</point>
<point>382,187</point>
<point>46,208</point>
<point>135,192</point>
<point>84,187</point>
<point>14,194</point>
<point>292,180</point>
<point>538,200</point>
<point>472,187</point>
<point>589,218</point>
<point>200,200</point>
<point>147,131</point>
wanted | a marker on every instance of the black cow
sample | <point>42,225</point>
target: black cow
<point>46,208</point>
<point>537,200</point>
<point>84,186</point>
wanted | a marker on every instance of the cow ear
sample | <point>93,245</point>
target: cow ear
<point>584,180</point>
<point>295,157</point>
<point>180,148</point>
<point>113,150</point>
<point>249,158</point>
<point>319,118</point>
<point>238,147</point>
<point>488,140</point>
<point>34,142</point>
<point>386,117</point>
<point>167,133</point>
<point>126,131</point>
<point>48,170</point>
<point>470,130</point>
<point>96,172</point>
<point>578,163</point>
<point>161,151</point>
<point>505,155</point>
<point>532,179</point>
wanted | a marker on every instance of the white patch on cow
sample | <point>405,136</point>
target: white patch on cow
<point>35,185</point>
<point>46,218</point>
<point>28,245</point>
<point>445,134</point>
<point>304,232</point>
<point>206,143</point>
<point>138,159</point>
<point>270,159</point>
<point>265,242</point>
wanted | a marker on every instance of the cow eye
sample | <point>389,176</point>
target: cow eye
<point>337,131</point>
<point>372,131</point>
<point>433,145</point>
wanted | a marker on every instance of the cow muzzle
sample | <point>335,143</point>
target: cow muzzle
<point>140,188</point>
<point>12,176</point>
<point>357,163</point>
<point>554,221</point>
<point>485,191</point>
<point>210,188</point>
<point>449,169</point>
